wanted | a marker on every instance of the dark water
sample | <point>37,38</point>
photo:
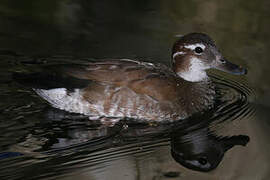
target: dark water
<point>39,142</point>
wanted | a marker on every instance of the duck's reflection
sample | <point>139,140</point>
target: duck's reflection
<point>201,150</point>
<point>196,147</point>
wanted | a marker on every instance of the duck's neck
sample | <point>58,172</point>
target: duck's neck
<point>193,76</point>
<point>200,96</point>
<point>197,96</point>
<point>192,70</point>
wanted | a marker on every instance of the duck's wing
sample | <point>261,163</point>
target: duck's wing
<point>140,77</point>
<point>72,75</point>
<point>118,72</point>
<point>156,81</point>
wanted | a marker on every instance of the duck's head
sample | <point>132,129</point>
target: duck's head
<point>194,53</point>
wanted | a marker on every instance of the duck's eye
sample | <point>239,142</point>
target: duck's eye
<point>202,161</point>
<point>198,50</point>
<point>222,61</point>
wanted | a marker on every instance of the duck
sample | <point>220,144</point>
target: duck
<point>125,88</point>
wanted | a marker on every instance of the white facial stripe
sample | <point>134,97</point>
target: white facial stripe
<point>178,53</point>
<point>196,71</point>
<point>193,46</point>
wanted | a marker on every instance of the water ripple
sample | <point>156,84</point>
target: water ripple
<point>62,142</point>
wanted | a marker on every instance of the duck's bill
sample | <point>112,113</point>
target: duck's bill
<point>231,68</point>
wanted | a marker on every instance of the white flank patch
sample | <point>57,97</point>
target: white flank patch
<point>61,99</point>
<point>193,46</point>
<point>196,71</point>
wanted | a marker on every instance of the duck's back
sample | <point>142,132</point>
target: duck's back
<point>118,88</point>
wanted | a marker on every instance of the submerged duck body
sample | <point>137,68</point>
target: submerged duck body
<point>127,88</point>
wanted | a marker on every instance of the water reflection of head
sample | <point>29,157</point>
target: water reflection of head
<point>201,150</point>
